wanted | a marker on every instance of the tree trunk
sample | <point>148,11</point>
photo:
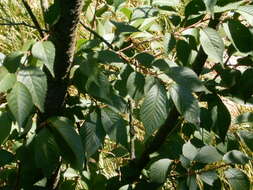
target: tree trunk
<point>63,35</point>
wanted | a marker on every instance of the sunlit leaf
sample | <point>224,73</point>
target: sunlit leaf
<point>45,52</point>
<point>36,82</point>
<point>159,169</point>
<point>186,77</point>
<point>185,103</point>
<point>154,109</point>
<point>189,151</point>
<point>235,157</point>
<point>237,179</point>
<point>212,44</point>
<point>7,80</point>
<point>247,12</point>
<point>210,5</point>
<point>20,102</point>
<point>209,177</point>
<point>247,138</point>
<point>208,154</point>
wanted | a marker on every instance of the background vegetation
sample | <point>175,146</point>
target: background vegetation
<point>158,95</point>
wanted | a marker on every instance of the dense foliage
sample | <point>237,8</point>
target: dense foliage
<point>145,89</point>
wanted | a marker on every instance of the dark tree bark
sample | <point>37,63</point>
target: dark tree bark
<point>63,35</point>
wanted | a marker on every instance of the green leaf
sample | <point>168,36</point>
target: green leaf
<point>247,12</point>
<point>117,103</point>
<point>135,85</point>
<point>192,182</point>
<point>221,117</point>
<point>20,102</point>
<point>239,35</point>
<point>68,141</point>
<point>36,82</point>
<point>186,77</point>
<point>159,170</point>
<point>99,86</point>
<point>45,52</point>
<point>163,64</point>
<point>244,85</point>
<point>150,81</point>
<point>102,10</point>
<point>209,177</point>
<point>109,57</point>
<point>205,119</point>
<point>207,155</point>
<point>194,7</point>
<point>53,13</point>
<point>237,179</point>
<point>124,27</point>
<point>212,44</point>
<point>235,157</point>
<point>244,118</point>
<point>186,104</point>
<point>247,138</point>
<point>144,12</point>
<point>169,42</point>
<point>92,133</point>
<point>12,61</point>
<point>117,3</point>
<point>175,19</point>
<point>154,110</point>
<point>120,85</point>
<point>210,5</point>
<point>110,2</point>
<point>115,126</point>
<point>7,80</point>
<point>183,52</point>
<point>6,158</point>
<point>127,12</point>
<point>5,126</point>
<point>46,152</point>
<point>189,151</point>
<point>145,59</point>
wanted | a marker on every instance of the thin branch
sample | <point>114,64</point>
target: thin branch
<point>20,24</point>
<point>34,19</point>
<point>191,173</point>
<point>44,7</point>
<point>97,35</point>
<point>93,21</point>
<point>132,132</point>
<point>140,43</point>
